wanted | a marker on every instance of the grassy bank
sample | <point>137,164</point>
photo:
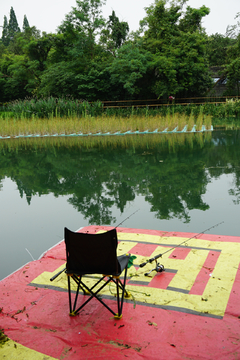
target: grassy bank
<point>65,107</point>
<point>10,126</point>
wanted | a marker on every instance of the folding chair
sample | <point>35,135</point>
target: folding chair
<point>95,254</point>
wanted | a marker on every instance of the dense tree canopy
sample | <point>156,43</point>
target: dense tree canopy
<point>98,59</point>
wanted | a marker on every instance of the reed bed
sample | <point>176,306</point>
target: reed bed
<point>11,126</point>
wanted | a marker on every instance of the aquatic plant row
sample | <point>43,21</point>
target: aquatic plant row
<point>102,125</point>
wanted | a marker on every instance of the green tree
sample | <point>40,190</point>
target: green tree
<point>233,77</point>
<point>25,23</point>
<point>77,64</point>
<point>10,29</point>
<point>13,27</point>
<point>58,80</point>
<point>233,31</point>
<point>65,45</point>
<point>71,69</point>
<point>88,17</point>
<point>2,49</point>
<point>182,67</point>
<point>192,19</point>
<point>217,49</point>
<point>95,83</point>
<point>129,67</point>
<point>233,51</point>
<point>85,18</point>
<point>119,29</point>
<point>114,35</point>
<point>17,76</point>
<point>5,37</point>
<point>178,45</point>
<point>19,45</point>
<point>38,49</point>
<point>233,66</point>
<point>20,65</point>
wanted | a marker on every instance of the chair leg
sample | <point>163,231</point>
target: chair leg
<point>69,295</point>
<point>75,278</point>
<point>72,310</point>
<point>84,287</point>
<point>94,295</point>
<point>123,290</point>
<point>122,286</point>
<point>76,296</point>
<point>126,293</point>
<point>118,301</point>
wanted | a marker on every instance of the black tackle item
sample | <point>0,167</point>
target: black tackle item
<point>158,268</point>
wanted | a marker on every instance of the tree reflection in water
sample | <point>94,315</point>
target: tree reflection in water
<point>170,171</point>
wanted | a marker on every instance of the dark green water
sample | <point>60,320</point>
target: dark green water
<point>178,186</point>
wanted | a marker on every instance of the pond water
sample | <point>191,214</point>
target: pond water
<point>178,182</point>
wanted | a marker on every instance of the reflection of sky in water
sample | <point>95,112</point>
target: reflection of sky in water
<point>39,226</point>
<point>36,227</point>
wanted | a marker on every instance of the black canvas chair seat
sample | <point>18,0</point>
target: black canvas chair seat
<point>89,254</point>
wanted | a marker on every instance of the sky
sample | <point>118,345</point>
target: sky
<point>47,15</point>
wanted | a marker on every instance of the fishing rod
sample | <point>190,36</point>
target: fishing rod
<point>127,218</point>
<point>159,267</point>
<point>61,271</point>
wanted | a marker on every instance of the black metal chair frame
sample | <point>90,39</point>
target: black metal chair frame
<point>79,272</point>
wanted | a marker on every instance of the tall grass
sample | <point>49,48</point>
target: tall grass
<point>10,126</point>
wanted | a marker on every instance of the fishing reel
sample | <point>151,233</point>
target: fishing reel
<point>159,268</point>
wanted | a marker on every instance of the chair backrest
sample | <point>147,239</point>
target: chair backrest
<point>91,253</point>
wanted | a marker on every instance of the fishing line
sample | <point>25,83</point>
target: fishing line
<point>192,237</point>
<point>126,218</point>
<point>30,254</point>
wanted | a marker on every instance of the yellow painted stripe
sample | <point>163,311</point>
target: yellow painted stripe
<point>11,350</point>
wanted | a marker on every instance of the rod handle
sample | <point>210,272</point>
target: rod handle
<point>150,260</point>
<point>56,275</point>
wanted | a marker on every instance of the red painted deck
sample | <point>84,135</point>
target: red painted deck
<point>189,311</point>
